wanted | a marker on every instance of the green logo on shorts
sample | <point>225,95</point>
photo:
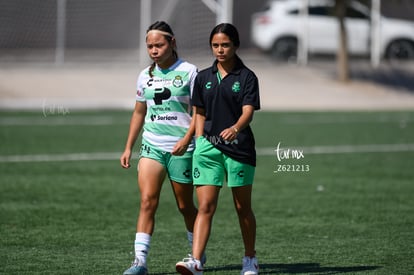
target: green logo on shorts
<point>196,173</point>
<point>187,173</point>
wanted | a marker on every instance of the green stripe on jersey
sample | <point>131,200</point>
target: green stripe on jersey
<point>167,95</point>
<point>168,130</point>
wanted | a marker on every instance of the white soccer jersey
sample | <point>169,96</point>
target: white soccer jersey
<point>167,95</point>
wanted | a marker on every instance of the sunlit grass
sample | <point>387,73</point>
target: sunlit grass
<point>350,213</point>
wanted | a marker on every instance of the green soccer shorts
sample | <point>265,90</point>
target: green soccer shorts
<point>178,167</point>
<point>211,167</point>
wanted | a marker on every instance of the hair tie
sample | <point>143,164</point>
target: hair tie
<point>160,32</point>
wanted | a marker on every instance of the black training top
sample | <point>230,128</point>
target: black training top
<point>222,100</point>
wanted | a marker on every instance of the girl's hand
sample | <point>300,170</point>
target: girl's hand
<point>125,159</point>
<point>229,134</point>
<point>180,148</point>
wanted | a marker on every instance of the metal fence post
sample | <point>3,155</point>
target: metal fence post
<point>143,25</point>
<point>60,32</point>
<point>375,33</point>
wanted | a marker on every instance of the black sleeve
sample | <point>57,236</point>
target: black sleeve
<point>251,92</point>
<point>197,98</point>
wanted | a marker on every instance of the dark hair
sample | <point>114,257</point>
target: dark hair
<point>162,26</point>
<point>229,30</point>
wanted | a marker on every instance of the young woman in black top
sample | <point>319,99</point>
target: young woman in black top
<point>225,96</point>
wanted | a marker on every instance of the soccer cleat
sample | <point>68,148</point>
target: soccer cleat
<point>137,268</point>
<point>189,266</point>
<point>250,266</point>
<point>203,259</point>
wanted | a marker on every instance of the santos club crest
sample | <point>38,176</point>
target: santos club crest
<point>178,81</point>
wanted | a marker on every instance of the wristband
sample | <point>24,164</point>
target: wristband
<point>236,131</point>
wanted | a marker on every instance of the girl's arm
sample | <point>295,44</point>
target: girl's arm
<point>231,133</point>
<point>199,121</point>
<point>135,126</point>
<point>181,146</point>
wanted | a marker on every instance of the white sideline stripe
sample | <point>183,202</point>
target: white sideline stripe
<point>326,119</point>
<point>68,119</point>
<point>342,149</point>
<point>60,157</point>
<point>59,120</point>
<point>269,151</point>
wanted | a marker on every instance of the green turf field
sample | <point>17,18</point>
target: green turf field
<point>66,206</point>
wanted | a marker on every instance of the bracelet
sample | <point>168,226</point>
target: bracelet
<point>236,131</point>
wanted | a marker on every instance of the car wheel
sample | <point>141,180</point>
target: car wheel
<point>400,50</point>
<point>285,49</point>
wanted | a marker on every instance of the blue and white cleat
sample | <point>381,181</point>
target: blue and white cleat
<point>137,268</point>
<point>250,266</point>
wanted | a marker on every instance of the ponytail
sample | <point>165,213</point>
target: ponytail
<point>151,69</point>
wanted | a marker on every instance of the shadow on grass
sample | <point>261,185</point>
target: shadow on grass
<point>295,268</point>
<point>298,268</point>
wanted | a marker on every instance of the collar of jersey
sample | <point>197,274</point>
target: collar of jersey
<point>236,70</point>
<point>171,68</point>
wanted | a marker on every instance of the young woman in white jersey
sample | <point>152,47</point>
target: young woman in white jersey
<point>163,112</point>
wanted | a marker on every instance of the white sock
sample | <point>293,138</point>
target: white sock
<point>142,246</point>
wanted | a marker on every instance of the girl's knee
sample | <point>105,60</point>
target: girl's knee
<point>187,210</point>
<point>148,204</point>
<point>207,209</point>
<point>244,211</point>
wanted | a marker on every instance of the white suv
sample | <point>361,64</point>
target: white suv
<point>278,28</point>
